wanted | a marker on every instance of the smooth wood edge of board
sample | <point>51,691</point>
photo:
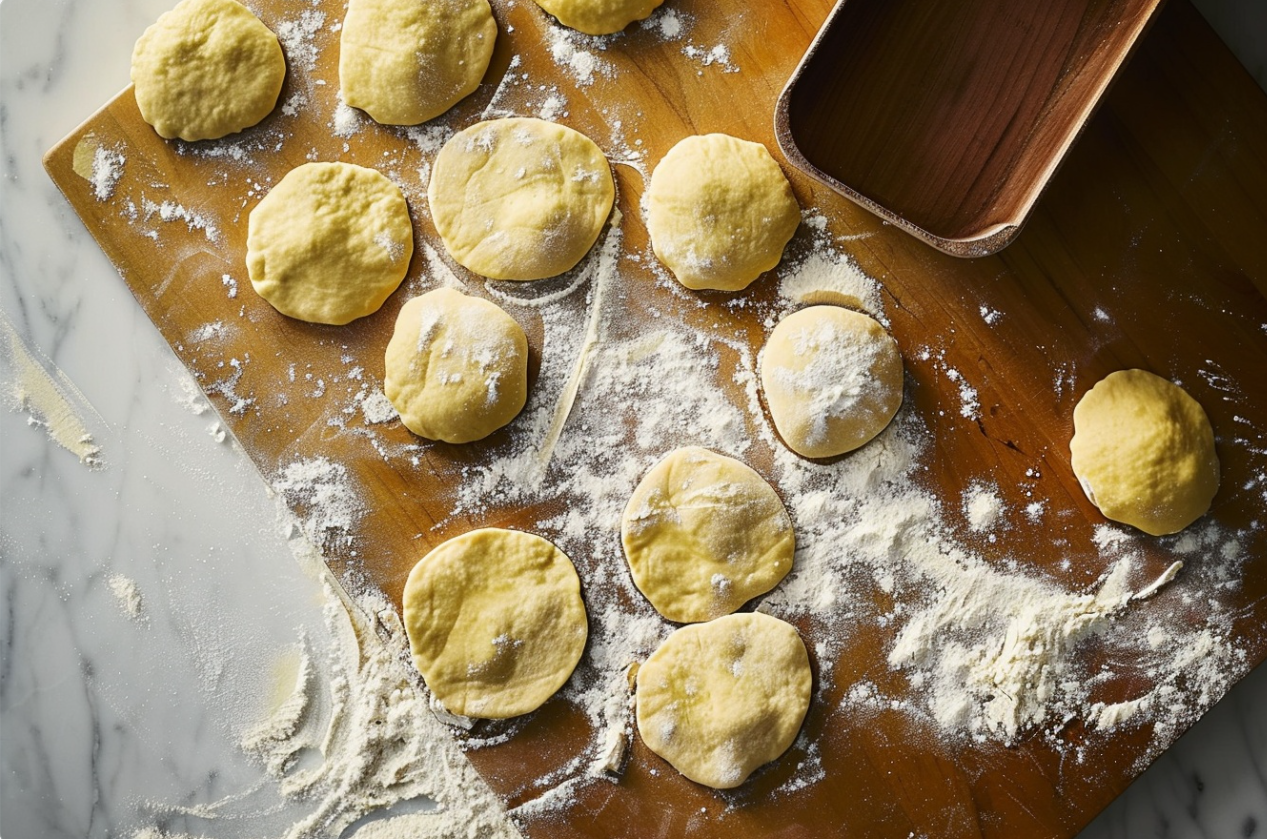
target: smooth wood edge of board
<point>1031,168</point>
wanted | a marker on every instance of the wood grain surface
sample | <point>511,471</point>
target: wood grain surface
<point>1157,222</point>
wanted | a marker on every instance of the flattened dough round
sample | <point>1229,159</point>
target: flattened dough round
<point>406,61</point>
<point>599,17</point>
<point>719,699</point>
<point>705,534</point>
<point>1143,450</point>
<point>456,367</point>
<point>205,69</point>
<point>495,621</point>
<point>719,211</point>
<point>520,199</point>
<point>832,380</point>
<point>329,243</point>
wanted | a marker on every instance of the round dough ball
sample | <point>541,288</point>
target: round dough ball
<point>1143,451</point>
<point>406,61</point>
<point>456,368</point>
<point>329,243</point>
<point>495,621</point>
<point>832,380</point>
<point>705,534</point>
<point>205,69</point>
<point>520,199</point>
<point>720,212</point>
<point>599,17</point>
<point>719,699</point>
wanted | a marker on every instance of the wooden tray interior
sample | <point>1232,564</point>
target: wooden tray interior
<point>950,117</point>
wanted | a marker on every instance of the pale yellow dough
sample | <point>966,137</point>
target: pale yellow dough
<point>719,699</point>
<point>832,380</point>
<point>329,243</point>
<point>704,534</point>
<point>456,367</point>
<point>599,17</point>
<point>519,199</point>
<point>719,211</point>
<point>205,69</point>
<point>495,622</point>
<point>406,61</point>
<point>1143,450</point>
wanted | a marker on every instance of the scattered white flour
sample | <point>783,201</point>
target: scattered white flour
<point>718,55</point>
<point>321,494</point>
<point>230,284</point>
<point>107,169</point>
<point>376,408</point>
<point>668,23</point>
<point>297,37</point>
<point>171,211</point>
<point>50,400</point>
<point>581,64</point>
<point>825,276</point>
<point>129,596</point>
<point>347,120</point>
<point>983,507</point>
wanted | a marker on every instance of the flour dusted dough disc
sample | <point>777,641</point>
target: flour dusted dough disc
<point>720,212</point>
<point>495,622</point>
<point>832,380</point>
<point>1143,450</point>
<point>456,367</point>
<point>519,199</point>
<point>406,61</point>
<point>205,69</point>
<point>704,534</point>
<point>599,17</point>
<point>329,243</point>
<point>719,699</point>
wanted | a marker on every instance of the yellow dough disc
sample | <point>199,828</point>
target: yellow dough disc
<point>719,699</point>
<point>456,367</point>
<point>520,199</point>
<point>719,211</point>
<point>599,17</point>
<point>832,380</point>
<point>705,534</point>
<point>495,621</point>
<point>205,69</point>
<point>406,61</point>
<point>1143,451</point>
<point>329,243</point>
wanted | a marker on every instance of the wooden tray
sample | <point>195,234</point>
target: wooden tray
<point>1146,250</point>
<point>948,119</point>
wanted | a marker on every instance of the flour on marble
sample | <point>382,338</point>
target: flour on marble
<point>128,595</point>
<point>50,400</point>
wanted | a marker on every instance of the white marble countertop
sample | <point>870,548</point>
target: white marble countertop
<point>120,716</point>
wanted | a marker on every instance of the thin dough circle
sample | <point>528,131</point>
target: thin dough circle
<point>704,534</point>
<point>495,622</point>
<point>719,212</point>
<point>599,17</point>
<point>832,380</point>
<point>1143,450</point>
<point>205,69</point>
<point>405,61</point>
<point>329,243</point>
<point>520,198</point>
<point>456,367</point>
<point>719,699</point>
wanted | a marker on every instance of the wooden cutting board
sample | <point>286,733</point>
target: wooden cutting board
<point>1157,224</point>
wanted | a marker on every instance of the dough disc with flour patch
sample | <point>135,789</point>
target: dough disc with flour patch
<point>719,699</point>
<point>495,622</point>
<point>205,69</point>
<point>329,243</point>
<point>832,380</point>
<point>599,17</point>
<point>704,534</point>
<point>456,367</point>
<point>520,199</point>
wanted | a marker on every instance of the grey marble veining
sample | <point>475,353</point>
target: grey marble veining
<point>110,723</point>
